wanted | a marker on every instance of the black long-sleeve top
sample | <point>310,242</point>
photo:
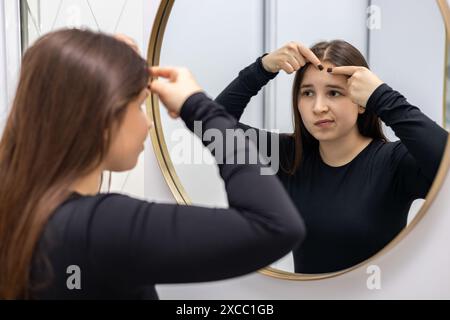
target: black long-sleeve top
<point>351,212</point>
<point>124,246</point>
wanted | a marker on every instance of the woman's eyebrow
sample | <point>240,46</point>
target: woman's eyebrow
<point>331,86</point>
<point>334,86</point>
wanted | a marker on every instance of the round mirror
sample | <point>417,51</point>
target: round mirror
<point>355,209</point>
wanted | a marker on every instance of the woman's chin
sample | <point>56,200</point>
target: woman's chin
<point>324,137</point>
<point>124,167</point>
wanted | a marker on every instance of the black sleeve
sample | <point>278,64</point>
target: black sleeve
<point>416,159</point>
<point>236,96</point>
<point>163,243</point>
<point>249,82</point>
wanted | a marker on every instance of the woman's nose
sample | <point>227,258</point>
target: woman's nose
<point>320,106</point>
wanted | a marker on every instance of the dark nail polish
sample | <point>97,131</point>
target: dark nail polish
<point>321,67</point>
<point>330,70</point>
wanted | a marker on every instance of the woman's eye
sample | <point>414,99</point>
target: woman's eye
<point>307,93</point>
<point>334,93</point>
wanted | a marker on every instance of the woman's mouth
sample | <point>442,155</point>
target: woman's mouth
<point>324,123</point>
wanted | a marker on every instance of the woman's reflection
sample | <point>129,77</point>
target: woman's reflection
<point>353,188</point>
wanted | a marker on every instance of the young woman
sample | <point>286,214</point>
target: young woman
<point>78,112</point>
<point>353,188</point>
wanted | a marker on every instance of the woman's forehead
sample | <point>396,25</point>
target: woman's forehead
<point>316,78</point>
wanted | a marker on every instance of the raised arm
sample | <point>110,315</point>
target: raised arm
<point>150,243</point>
<point>290,58</point>
<point>417,158</point>
<point>172,243</point>
<point>239,92</point>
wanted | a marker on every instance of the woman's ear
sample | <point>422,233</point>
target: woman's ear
<point>361,110</point>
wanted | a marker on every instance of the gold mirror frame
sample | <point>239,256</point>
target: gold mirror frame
<point>180,194</point>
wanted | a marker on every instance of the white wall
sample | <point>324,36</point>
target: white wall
<point>9,55</point>
<point>3,81</point>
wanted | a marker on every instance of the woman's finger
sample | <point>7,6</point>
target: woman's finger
<point>164,72</point>
<point>300,60</point>
<point>350,82</point>
<point>345,71</point>
<point>157,87</point>
<point>310,56</point>
<point>288,67</point>
<point>294,62</point>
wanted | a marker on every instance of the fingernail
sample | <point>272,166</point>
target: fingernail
<point>320,67</point>
<point>330,70</point>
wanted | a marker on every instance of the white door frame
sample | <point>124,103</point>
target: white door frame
<point>10,54</point>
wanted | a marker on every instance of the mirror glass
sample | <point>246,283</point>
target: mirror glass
<point>217,39</point>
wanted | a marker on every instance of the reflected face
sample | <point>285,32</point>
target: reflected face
<point>327,111</point>
<point>128,139</point>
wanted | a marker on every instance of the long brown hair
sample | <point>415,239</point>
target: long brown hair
<point>74,86</point>
<point>339,53</point>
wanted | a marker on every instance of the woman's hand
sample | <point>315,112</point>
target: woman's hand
<point>290,58</point>
<point>174,92</point>
<point>361,84</point>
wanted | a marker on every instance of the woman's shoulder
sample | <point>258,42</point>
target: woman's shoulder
<point>80,216</point>
<point>76,199</point>
<point>81,209</point>
<point>388,153</point>
<point>389,147</point>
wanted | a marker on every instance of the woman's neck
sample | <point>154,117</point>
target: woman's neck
<point>89,184</point>
<point>339,152</point>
